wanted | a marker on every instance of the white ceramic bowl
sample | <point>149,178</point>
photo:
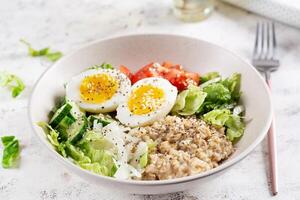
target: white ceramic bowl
<point>135,51</point>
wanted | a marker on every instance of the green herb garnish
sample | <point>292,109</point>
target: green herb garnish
<point>106,66</point>
<point>11,151</point>
<point>45,52</point>
<point>14,83</point>
<point>54,56</point>
<point>102,66</point>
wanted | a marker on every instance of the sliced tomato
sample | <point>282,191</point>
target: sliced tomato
<point>195,77</point>
<point>135,78</point>
<point>144,72</point>
<point>170,65</point>
<point>167,64</point>
<point>174,73</point>
<point>177,78</point>
<point>126,71</point>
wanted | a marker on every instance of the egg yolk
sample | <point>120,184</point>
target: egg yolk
<point>145,99</point>
<point>98,88</point>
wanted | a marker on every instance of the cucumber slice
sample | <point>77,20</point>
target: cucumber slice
<point>75,112</point>
<point>60,114</point>
<point>70,122</point>
<point>67,121</point>
<point>77,129</point>
<point>63,126</point>
<point>63,135</point>
<point>70,126</point>
<point>59,102</point>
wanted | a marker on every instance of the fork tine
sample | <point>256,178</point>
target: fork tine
<point>255,51</point>
<point>269,47</point>
<point>264,42</point>
<point>273,31</point>
<point>274,40</point>
<point>265,46</point>
<point>261,40</point>
<point>270,52</point>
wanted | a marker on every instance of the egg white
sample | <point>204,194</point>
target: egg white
<point>126,117</point>
<point>73,91</point>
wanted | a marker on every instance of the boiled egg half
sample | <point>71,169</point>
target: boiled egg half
<point>98,90</point>
<point>150,99</point>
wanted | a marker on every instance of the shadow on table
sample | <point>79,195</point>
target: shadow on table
<point>170,196</point>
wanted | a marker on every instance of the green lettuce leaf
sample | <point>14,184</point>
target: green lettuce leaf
<point>212,81</point>
<point>93,140</point>
<point>180,101</point>
<point>54,56</point>
<point>11,151</point>
<point>11,81</point>
<point>7,139</point>
<point>218,97</point>
<point>233,123</point>
<point>45,52</point>
<point>51,134</point>
<point>33,52</point>
<point>221,94</point>
<point>189,101</point>
<point>76,154</point>
<point>99,150</point>
<point>217,117</point>
<point>209,76</point>
<point>233,83</point>
<point>93,153</point>
<point>235,128</point>
<point>217,93</point>
<point>61,149</point>
<point>96,168</point>
<point>53,137</point>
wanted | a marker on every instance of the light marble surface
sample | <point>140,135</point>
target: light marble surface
<point>66,25</point>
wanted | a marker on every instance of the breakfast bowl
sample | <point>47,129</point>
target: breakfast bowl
<point>134,51</point>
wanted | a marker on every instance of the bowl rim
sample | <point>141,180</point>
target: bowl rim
<point>190,178</point>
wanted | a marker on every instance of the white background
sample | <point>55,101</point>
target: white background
<point>66,25</point>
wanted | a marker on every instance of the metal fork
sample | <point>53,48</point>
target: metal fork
<point>265,61</point>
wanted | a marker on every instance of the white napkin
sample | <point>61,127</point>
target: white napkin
<point>286,11</point>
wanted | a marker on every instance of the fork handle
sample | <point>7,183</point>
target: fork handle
<point>272,150</point>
